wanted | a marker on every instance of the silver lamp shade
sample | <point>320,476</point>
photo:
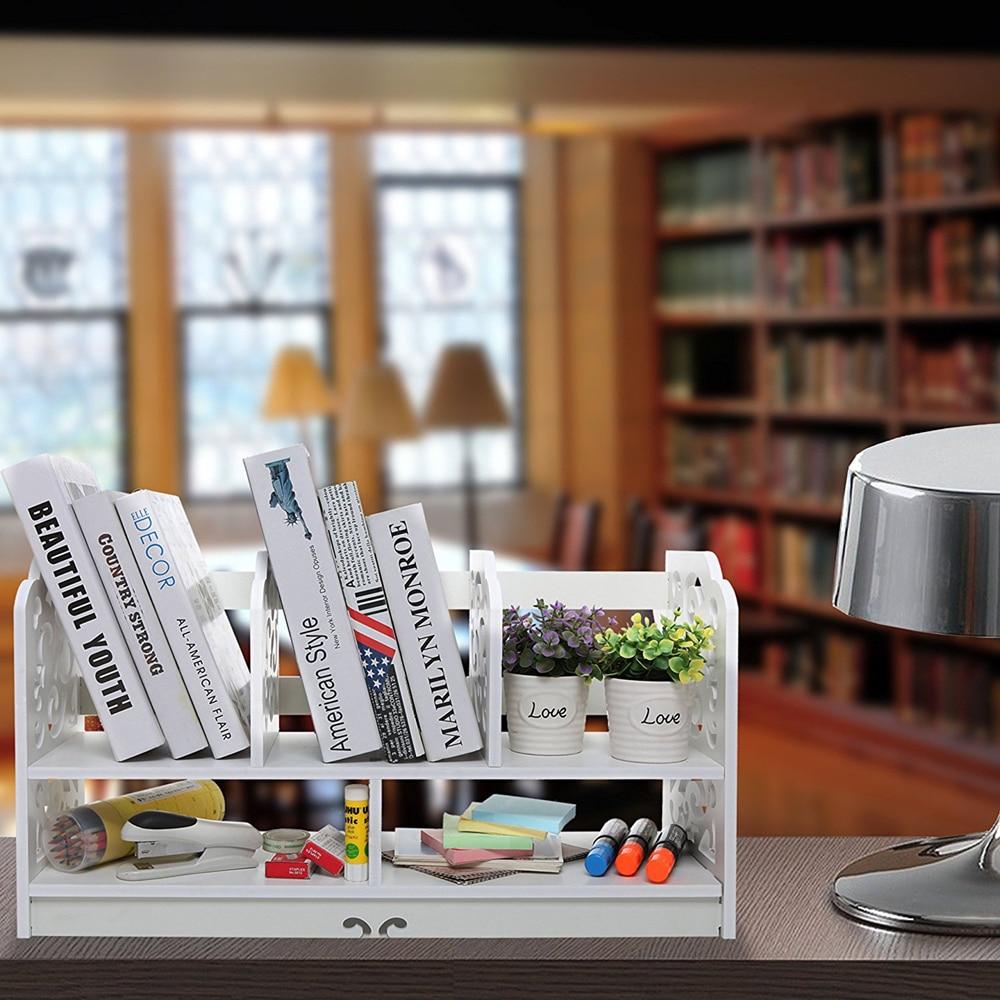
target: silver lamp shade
<point>920,533</point>
<point>919,549</point>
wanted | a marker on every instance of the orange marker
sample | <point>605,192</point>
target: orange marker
<point>666,850</point>
<point>638,842</point>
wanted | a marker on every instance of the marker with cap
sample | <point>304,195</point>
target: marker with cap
<point>638,842</point>
<point>606,844</point>
<point>667,849</point>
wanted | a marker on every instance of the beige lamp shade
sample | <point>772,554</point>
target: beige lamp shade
<point>378,406</point>
<point>464,392</point>
<point>297,388</point>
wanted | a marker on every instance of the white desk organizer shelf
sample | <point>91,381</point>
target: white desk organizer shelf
<point>55,756</point>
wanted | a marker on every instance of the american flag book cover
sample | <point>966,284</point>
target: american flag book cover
<point>284,492</point>
<point>371,621</point>
<point>424,632</point>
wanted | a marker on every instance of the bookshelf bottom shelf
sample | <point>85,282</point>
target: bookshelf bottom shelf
<point>405,903</point>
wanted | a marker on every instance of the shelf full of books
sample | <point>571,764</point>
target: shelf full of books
<point>868,306</point>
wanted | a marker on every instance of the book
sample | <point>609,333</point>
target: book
<point>517,810</point>
<point>284,493</point>
<point>453,837</point>
<point>422,623</point>
<point>371,621</point>
<point>467,823</point>
<point>191,613</point>
<point>410,850</point>
<point>42,489</point>
<point>140,626</point>
<point>458,857</point>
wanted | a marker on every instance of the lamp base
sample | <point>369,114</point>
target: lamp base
<point>942,885</point>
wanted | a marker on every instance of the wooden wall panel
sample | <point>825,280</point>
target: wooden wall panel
<point>610,390</point>
<point>543,328</point>
<point>355,327</point>
<point>153,360</point>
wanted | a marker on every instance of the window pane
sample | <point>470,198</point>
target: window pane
<point>62,219</point>
<point>448,253</point>
<point>461,153</point>
<point>61,391</point>
<point>251,211</point>
<point>228,361</point>
<point>253,276</point>
<point>63,289</point>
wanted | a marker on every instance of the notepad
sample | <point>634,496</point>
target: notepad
<point>453,837</point>
<point>516,810</point>
<point>467,823</point>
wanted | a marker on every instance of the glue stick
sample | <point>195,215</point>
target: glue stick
<point>356,833</point>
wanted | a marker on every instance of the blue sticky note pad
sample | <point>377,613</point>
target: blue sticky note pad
<point>516,810</point>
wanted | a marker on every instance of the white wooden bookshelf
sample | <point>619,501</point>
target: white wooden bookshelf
<point>55,757</point>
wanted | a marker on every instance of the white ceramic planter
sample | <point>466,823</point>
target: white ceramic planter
<point>648,721</point>
<point>545,715</point>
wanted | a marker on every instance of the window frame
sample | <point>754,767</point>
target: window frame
<point>120,319</point>
<point>324,312</point>
<point>515,184</point>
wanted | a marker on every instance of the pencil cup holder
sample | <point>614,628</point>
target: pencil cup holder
<point>545,715</point>
<point>648,721</point>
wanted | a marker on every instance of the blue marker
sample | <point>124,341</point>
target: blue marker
<point>606,844</point>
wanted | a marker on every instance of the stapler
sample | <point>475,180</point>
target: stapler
<point>168,844</point>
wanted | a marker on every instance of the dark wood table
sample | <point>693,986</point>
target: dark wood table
<point>790,943</point>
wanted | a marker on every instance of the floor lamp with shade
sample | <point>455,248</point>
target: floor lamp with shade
<point>919,549</point>
<point>298,390</point>
<point>378,407</point>
<point>464,396</point>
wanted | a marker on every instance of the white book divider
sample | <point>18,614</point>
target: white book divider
<point>54,757</point>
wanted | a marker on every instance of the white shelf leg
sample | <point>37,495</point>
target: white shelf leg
<point>375,832</point>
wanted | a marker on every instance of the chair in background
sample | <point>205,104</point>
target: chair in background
<point>638,534</point>
<point>574,538</point>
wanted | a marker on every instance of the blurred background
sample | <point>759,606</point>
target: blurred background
<point>698,281</point>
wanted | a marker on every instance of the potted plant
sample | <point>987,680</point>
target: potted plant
<point>550,655</point>
<point>647,668</point>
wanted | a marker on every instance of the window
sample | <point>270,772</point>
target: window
<point>253,277</point>
<point>63,294</point>
<point>448,209</point>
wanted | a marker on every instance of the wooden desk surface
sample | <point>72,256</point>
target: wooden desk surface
<point>784,920</point>
<point>783,913</point>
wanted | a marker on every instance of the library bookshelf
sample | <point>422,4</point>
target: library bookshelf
<point>55,756</point>
<point>761,323</point>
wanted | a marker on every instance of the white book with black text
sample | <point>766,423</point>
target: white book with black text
<point>191,613</point>
<point>301,558</point>
<point>42,489</point>
<point>422,624</point>
<point>139,623</point>
<point>371,622</point>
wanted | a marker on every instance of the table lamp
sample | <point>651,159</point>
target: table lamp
<point>297,390</point>
<point>919,549</point>
<point>378,406</point>
<point>464,396</point>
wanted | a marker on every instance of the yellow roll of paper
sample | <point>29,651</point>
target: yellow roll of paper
<point>92,834</point>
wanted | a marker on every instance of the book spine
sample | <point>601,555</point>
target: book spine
<point>217,711</point>
<point>41,498</point>
<point>141,628</point>
<point>284,494</point>
<point>402,548</point>
<point>371,621</point>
